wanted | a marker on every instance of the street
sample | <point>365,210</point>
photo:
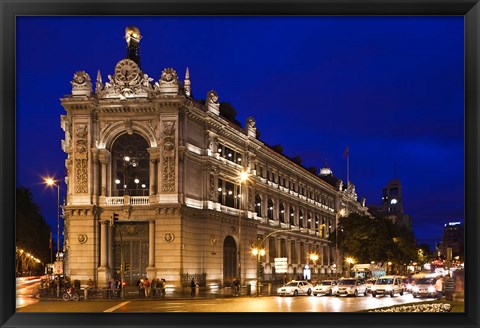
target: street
<point>225,304</point>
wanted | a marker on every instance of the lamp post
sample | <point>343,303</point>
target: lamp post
<point>243,177</point>
<point>258,252</point>
<point>349,261</point>
<point>51,182</point>
<point>314,258</point>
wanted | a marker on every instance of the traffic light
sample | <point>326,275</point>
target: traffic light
<point>115,217</point>
<point>126,267</point>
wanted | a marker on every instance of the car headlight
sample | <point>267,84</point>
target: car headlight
<point>431,289</point>
<point>415,289</point>
<point>373,287</point>
<point>335,289</point>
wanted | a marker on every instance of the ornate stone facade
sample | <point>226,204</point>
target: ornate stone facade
<point>167,167</point>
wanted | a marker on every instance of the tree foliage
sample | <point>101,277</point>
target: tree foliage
<point>32,231</point>
<point>375,239</point>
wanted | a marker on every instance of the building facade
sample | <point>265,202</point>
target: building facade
<point>161,185</point>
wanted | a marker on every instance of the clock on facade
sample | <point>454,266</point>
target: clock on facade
<point>126,70</point>
<point>393,201</point>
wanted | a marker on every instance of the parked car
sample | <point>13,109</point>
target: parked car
<point>324,288</point>
<point>388,285</point>
<point>424,287</point>
<point>369,284</point>
<point>350,286</point>
<point>296,287</point>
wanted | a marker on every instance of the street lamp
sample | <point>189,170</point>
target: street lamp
<point>51,182</point>
<point>258,252</point>
<point>242,178</point>
<point>349,261</point>
<point>314,258</point>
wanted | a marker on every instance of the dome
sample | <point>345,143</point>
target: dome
<point>325,171</point>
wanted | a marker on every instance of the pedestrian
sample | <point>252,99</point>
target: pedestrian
<point>193,285</point>
<point>236,287</point>
<point>140,288</point>
<point>439,287</point>
<point>148,287</point>
<point>163,286</point>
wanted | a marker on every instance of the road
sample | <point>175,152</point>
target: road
<point>27,291</point>
<point>230,304</point>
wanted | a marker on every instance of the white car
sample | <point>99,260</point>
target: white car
<point>324,288</point>
<point>350,286</point>
<point>388,285</point>
<point>296,287</point>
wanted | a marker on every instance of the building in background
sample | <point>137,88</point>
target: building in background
<point>162,185</point>
<point>453,237</point>
<point>392,205</point>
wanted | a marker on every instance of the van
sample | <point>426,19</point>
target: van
<point>388,285</point>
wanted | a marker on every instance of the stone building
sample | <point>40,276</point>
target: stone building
<point>161,185</point>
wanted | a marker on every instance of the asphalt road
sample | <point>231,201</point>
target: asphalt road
<point>233,304</point>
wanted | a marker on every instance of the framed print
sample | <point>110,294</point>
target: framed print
<point>266,163</point>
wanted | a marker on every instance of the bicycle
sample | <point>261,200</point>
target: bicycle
<point>70,295</point>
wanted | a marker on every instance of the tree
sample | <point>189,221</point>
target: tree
<point>369,239</point>
<point>32,231</point>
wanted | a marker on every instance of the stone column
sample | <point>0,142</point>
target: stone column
<point>151,250</point>
<point>95,180</point>
<point>103,270</point>
<point>152,188</point>
<point>104,158</point>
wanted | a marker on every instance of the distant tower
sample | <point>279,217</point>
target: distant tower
<point>132,36</point>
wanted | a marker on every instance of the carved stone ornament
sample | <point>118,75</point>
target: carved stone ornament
<point>213,240</point>
<point>168,82</point>
<point>81,159</point>
<point>169,237</point>
<point>213,97</point>
<point>81,84</point>
<point>127,82</point>
<point>82,238</point>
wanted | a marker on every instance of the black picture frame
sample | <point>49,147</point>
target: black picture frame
<point>470,9</point>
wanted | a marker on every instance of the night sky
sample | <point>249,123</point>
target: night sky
<point>391,88</point>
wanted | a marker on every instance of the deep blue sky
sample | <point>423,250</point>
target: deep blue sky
<point>391,88</point>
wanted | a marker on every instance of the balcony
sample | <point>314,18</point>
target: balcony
<point>127,200</point>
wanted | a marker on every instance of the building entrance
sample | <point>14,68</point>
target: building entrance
<point>134,237</point>
<point>229,260</point>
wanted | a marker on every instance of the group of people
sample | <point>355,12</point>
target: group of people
<point>114,287</point>
<point>145,287</point>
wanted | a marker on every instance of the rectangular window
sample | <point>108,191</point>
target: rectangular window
<point>283,248</point>
<point>293,252</point>
<point>272,249</point>
<point>302,253</point>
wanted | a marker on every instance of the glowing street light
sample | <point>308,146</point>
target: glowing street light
<point>314,258</point>
<point>349,260</point>
<point>51,182</point>
<point>258,252</point>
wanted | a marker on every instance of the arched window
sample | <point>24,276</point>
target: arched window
<point>130,166</point>
<point>301,219</point>
<point>316,223</point>
<point>258,205</point>
<point>281,215</point>
<point>270,209</point>
<point>309,221</point>
<point>292,216</point>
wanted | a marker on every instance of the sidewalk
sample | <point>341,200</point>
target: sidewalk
<point>173,294</point>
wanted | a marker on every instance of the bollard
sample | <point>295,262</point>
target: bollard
<point>249,289</point>
<point>269,289</point>
<point>85,293</point>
